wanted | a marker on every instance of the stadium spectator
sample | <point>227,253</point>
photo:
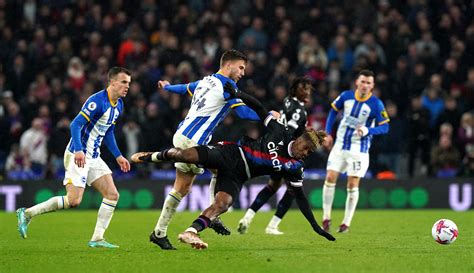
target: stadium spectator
<point>17,162</point>
<point>33,146</point>
<point>58,139</point>
<point>392,145</point>
<point>445,158</point>
<point>465,137</point>
<point>418,135</point>
<point>432,101</point>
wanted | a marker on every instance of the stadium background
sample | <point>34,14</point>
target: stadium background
<point>54,54</point>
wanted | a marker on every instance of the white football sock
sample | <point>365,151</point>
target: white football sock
<point>106,211</point>
<point>274,222</point>
<point>328,198</point>
<point>351,204</point>
<point>191,229</point>
<point>212,187</point>
<point>52,204</point>
<point>249,215</point>
<point>169,208</point>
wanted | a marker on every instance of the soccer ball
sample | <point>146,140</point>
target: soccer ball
<point>444,231</point>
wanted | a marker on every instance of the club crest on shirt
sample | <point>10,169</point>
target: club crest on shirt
<point>92,106</point>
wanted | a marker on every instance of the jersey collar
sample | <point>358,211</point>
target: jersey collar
<point>110,99</point>
<point>356,95</point>
<point>296,99</point>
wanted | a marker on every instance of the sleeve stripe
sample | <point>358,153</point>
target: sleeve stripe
<point>293,124</point>
<point>237,104</point>
<point>189,91</point>
<point>334,107</point>
<point>296,184</point>
<point>268,119</point>
<point>84,114</point>
<point>383,122</point>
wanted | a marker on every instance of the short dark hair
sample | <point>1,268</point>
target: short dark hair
<point>297,81</point>
<point>366,73</point>
<point>114,71</point>
<point>233,55</point>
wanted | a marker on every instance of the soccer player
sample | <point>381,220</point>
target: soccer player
<point>94,123</point>
<point>293,116</point>
<point>209,107</point>
<point>364,116</point>
<point>274,153</point>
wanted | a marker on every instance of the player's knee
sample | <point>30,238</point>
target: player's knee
<point>221,206</point>
<point>74,202</point>
<point>113,196</point>
<point>183,189</point>
<point>330,178</point>
<point>353,181</point>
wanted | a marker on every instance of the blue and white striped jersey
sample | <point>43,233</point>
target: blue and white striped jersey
<point>208,108</point>
<point>101,114</point>
<point>368,112</point>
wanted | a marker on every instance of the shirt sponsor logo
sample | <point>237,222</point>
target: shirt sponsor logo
<point>273,150</point>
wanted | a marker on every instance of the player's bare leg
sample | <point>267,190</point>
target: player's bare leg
<point>329,189</point>
<point>217,225</point>
<point>181,187</point>
<point>71,200</point>
<point>190,236</point>
<point>105,185</point>
<point>351,202</point>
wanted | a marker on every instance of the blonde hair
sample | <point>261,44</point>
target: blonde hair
<point>316,138</point>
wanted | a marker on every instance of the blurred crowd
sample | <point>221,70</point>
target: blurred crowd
<point>55,54</point>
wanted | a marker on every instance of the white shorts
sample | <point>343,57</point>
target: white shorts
<point>180,141</point>
<point>79,177</point>
<point>355,164</point>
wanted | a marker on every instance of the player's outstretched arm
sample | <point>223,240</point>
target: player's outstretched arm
<point>305,208</point>
<point>178,88</point>
<point>249,100</point>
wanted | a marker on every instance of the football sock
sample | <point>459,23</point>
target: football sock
<point>262,197</point>
<point>201,223</point>
<point>328,198</point>
<point>160,156</point>
<point>274,222</point>
<point>106,211</point>
<point>212,188</point>
<point>169,208</point>
<point>351,204</point>
<point>52,204</point>
<point>284,204</point>
<point>249,214</point>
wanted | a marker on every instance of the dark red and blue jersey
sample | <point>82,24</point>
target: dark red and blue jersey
<point>271,153</point>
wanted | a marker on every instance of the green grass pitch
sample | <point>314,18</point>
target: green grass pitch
<point>379,241</point>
